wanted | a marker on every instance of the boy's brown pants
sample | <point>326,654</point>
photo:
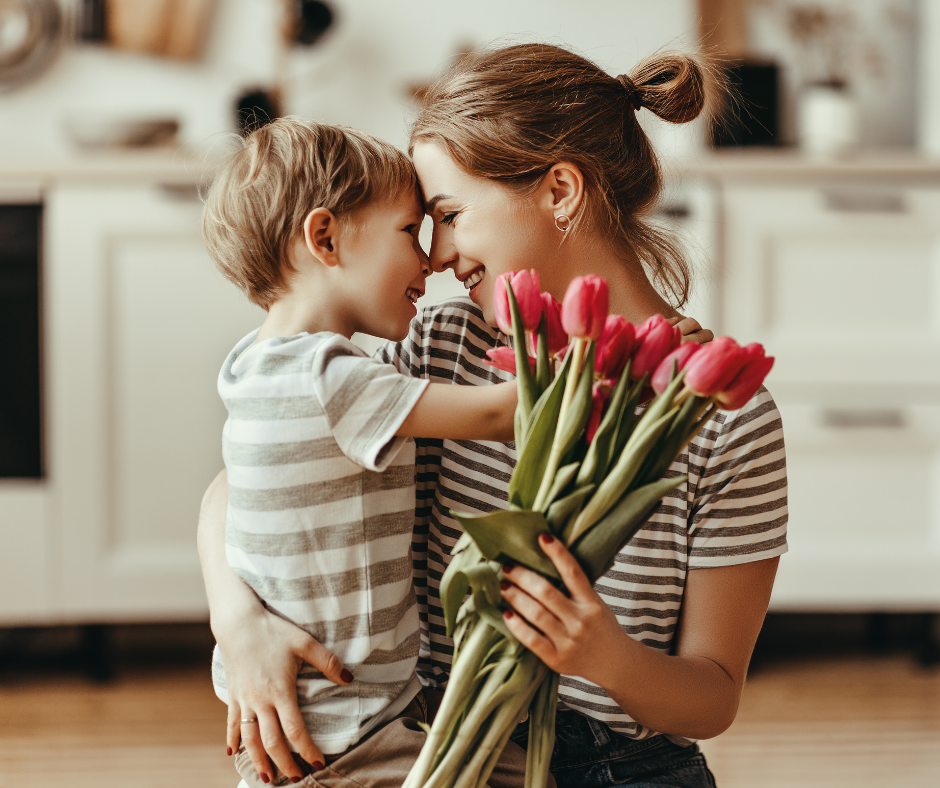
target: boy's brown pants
<point>384,757</point>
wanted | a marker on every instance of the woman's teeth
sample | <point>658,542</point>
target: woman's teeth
<point>473,280</point>
<point>413,294</point>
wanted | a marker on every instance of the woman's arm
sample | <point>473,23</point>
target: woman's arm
<point>262,653</point>
<point>694,693</point>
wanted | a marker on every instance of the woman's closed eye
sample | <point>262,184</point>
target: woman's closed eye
<point>449,218</point>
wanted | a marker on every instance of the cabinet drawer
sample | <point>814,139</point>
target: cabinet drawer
<point>840,284</point>
<point>864,495</point>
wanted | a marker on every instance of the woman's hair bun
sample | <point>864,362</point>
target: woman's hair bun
<point>673,85</point>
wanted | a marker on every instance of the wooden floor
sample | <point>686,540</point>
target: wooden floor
<point>808,722</point>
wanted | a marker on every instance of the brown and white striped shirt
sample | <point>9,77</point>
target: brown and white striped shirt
<point>732,509</point>
<point>320,514</point>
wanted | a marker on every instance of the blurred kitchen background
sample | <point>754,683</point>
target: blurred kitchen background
<point>812,213</point>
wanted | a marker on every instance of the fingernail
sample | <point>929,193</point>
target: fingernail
<point>296,779</point>
<point>547,538</point>
<point>317,765</point>
<point>265,778</point>
<point>228,751</point>
<point>508,567</point>
<point>508,614</point>
<point>346,676</point>
<point>504,584</point>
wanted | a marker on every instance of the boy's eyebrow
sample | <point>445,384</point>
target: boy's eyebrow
<point>429,206</point>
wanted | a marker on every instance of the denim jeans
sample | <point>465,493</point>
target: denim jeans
<point>588,754</point>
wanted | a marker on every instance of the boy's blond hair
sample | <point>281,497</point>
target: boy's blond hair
<point>260,197</point>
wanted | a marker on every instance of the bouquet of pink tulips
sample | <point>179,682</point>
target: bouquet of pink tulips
<point>590,471</point>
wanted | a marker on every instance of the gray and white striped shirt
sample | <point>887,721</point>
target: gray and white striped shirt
<point>732,510</point>
<point>320,516</point>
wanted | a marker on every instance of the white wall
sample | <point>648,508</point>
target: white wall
<point>357,76</point>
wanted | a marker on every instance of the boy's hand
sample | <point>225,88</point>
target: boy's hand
<point>691,330</point>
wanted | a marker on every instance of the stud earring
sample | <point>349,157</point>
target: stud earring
<point>562,222</point>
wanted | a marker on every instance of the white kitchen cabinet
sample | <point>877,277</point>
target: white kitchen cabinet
<point>840,279</point>
<point>137,322</point>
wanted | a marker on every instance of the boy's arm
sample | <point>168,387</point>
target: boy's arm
<point>481,413</point>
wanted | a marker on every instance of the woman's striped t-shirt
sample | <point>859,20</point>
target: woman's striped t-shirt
<point>732,509</point>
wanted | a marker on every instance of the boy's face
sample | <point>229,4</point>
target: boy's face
<point>385,267</point>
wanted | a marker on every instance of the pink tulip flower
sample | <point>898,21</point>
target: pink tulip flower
<point>557,336</point>
<point>680,357</point>
<point>714,366</point>
<point>602,390</point>
<point>746,383</point>
<point>614,346</point>
<point>525,286</point>
<point>656,339</point>
<point>504,358</point>
<point>584,309</point>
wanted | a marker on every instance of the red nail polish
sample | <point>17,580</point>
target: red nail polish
<point>508,567</point>
<point>346,676</point>
<point>317,765</point>
<point>504,584</point>
<point>296,779</point>
<point>264,778</point>
<point>508,614</point>
<point>228,751</point>
<point>547,538</point>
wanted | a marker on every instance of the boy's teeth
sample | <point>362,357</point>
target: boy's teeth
<point>413,295</point>
<point>473,280</point>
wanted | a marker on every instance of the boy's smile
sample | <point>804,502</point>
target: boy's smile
<point>383,266</point>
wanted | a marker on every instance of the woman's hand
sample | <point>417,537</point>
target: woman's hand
<point>262,657</point>
<point>262,654</point>
<point>568,633</point>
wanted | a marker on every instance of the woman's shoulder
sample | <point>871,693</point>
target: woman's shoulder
<point>742,431</point>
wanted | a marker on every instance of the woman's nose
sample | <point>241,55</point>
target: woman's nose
<point>442,253</point>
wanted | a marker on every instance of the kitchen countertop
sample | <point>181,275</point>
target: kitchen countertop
<point>789,165</point>
<point>184,167</point>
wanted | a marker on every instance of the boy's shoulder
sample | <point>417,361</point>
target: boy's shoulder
<point>279,356</point>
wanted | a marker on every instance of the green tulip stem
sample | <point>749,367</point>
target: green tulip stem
<point>554,457</point>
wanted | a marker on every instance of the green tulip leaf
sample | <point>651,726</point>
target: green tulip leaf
<point>579,411</point>
<point>598,455</point>
<point>533,457</point>
<point>543,365</point>
<point>597,548</point>
<point>510,537</point>
<point>524,377</point>
<point>618,481</point>
<point>563,511</point>
<point>563,478</point>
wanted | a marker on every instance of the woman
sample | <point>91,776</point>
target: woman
<point>532,157</point>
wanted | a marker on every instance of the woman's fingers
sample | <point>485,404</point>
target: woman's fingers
<point>692,330</point>
<point>532,608</point>
<point>568,567</point>
<point>251,738</point>
<point>295,730</point>
<point>325,661</point>
<point>233,731</point>
<point>270,743</point>
<point>530,637</point>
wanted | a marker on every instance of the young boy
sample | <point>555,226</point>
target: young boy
<point>319,226</point>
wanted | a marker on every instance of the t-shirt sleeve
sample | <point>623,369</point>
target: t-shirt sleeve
<point>365,402</point>
<point>405,356</point>
<point>740,509</point>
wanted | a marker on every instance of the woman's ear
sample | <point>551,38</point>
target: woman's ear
<point>562,189</point>
<point>320,230</point>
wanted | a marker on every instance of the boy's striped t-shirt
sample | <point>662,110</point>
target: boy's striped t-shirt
<point>320,516</point>
<point>732,509</point>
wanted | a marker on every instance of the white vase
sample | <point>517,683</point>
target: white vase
<point>827,120</point>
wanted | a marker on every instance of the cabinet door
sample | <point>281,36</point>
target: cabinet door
<point>842,283</point>
<point>139,322</point>
<point>864,499</point>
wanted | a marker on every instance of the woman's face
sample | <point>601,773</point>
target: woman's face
<point>481,229</point>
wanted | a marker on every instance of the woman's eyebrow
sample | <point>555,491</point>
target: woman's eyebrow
<point>429,206</point>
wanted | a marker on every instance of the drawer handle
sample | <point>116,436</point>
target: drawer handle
<point>864,201</point>
<point>864,419</point>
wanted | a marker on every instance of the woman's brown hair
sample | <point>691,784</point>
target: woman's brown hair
<point>510,114</point>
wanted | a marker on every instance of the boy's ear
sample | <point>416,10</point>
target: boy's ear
<point>320,229</point>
